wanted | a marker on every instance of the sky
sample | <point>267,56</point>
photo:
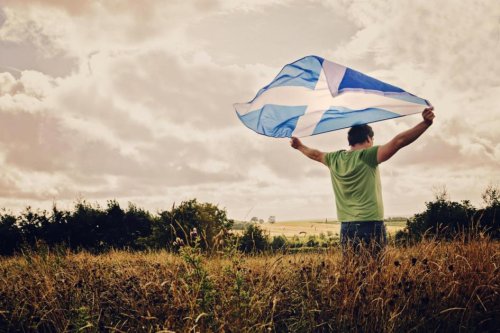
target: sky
<point>133,101</point>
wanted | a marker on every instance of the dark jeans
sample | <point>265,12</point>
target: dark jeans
<point>370,234</point>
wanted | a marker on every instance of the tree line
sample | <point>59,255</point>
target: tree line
<point>97,229</point>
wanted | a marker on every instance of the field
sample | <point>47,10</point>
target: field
<point>307,228</point>
<point>433,286</point>
<point>304,229</point>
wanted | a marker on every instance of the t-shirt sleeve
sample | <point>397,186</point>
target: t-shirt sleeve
<point>329,157</point>
<point>369,156</point>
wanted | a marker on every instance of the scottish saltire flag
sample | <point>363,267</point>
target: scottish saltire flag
<point>314,95</point>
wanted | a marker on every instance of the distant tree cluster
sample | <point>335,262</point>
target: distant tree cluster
<point>445,219</point>
<point>256,240</point>
<point>96,229</point>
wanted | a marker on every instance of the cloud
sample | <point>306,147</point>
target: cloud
<point>436,37</point>
<point>178,90</point>
<point>133,100</point>
<point>272,34</point>
<point>78,30</point>
<point>78,128</point>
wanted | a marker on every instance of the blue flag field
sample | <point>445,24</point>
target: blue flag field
<point>313,95</point>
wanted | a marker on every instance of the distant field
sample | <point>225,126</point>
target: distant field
<point>316,227</point>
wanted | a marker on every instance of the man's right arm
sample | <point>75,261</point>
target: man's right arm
<point>403,139</point>
<point>312,153</point>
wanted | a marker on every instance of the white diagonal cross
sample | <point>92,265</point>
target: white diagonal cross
<point>324,97</point>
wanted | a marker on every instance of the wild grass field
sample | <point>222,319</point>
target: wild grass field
<point>430,287</point>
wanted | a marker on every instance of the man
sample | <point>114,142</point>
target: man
<point>356,180</point>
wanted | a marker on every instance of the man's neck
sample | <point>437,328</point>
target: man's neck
<point>359,146</point>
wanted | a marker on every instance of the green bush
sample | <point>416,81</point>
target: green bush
<point>445,219</point>
<point>208,221</point>
<point>279,243</point>
<point>253,240</point>
<point>312,242</point>
<point>10,234</point>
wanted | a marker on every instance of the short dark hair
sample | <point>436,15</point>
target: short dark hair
<point>359,134</point>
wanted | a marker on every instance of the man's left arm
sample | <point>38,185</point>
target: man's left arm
<point>312,153</point>
<point>403,139</point>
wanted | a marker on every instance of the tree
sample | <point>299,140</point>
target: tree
<point>9,234</point>
<point>85,224</point>
<point>445,219</point>
<point>121,229</point>
<point>442,219</point>
<point>279,243</point>
<point>253,240</point>
<point>210,222</point>
<point>137,223</point>
<point>55,228</point>
<point>488,217</point>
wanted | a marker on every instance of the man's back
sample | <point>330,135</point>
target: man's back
<point>356,181</point>
<point>356,184</point>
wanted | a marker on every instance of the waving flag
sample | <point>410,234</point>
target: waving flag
<point>314,95</point>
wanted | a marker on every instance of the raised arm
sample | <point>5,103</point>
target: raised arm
<point>386,151</point>
<point>313,154</point>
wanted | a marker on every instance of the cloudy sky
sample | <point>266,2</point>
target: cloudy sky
<point>132,100</point>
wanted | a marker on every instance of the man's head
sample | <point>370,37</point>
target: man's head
<point>359,134</point>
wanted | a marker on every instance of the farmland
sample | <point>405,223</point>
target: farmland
<point>307,228</point>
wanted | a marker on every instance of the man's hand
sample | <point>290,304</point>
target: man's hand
<point>428,115</point>
<point>295,142</point>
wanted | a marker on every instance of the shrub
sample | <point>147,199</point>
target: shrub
<point>211,223</point>
<point>445,219</point>
<point>253,239</point>
<point>10,234</point>
<point>312,242</point>
<point>279,243</point>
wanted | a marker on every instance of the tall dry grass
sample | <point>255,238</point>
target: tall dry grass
<point>445,287</point>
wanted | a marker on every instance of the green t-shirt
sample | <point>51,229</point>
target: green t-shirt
<point>356,184</point>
